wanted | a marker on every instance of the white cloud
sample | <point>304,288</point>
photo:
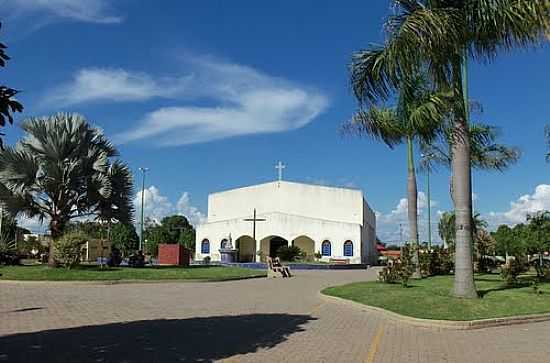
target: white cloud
<point>92,11</point>
<point>393,227</point>
<point>520,208</point>
<point>104,84</point>
<point>158,206</point>
<point>241,101</point>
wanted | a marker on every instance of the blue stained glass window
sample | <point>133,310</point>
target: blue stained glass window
<point>325,248</point>
<point>348,248</point>
<point>205,246</point>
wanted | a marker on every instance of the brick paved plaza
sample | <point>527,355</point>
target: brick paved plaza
<point>254,320</point>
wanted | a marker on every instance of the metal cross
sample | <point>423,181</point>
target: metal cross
<point>254,220</point>
<point>280,166</point>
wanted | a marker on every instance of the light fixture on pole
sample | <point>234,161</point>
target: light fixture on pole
<point>143,171</point>
<point>428,157</point>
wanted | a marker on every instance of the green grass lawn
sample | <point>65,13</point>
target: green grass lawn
<point>430,298</point>
<point>95,273</point>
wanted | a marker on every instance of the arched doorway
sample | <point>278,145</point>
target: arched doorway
<point>271,244</point>
<point>246,248</point>
<point>305,244</point>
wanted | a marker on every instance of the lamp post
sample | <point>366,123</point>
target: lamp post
<point>143,171</point>
<point>428,157</point>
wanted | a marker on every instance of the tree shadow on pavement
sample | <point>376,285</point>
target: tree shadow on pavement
<point>176,340</point>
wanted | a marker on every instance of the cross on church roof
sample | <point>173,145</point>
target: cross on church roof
<point>280,166</point>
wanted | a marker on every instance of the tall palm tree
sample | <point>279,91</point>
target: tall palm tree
<point>62,170</point>
<point>486,153</point>
<point>416,117</point>
<point>441,36</point>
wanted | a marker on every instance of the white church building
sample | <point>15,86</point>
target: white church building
<point>335,222</point>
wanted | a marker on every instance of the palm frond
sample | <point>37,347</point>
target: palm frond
<point>380,123</point>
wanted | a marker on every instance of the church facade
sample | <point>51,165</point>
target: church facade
<point>334,222</point>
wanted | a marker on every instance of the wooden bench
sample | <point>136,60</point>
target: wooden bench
<point>339,261</point>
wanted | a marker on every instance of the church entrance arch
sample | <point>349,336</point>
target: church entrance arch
<point>270,245</point>
<point>305,244</point>
<point>246,248</point>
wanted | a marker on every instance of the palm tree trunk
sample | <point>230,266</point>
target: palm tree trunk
<point>412,210</point>
<point>464,285</point>
<point>55,232</point>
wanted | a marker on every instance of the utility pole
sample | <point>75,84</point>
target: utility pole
<point>143,171</point>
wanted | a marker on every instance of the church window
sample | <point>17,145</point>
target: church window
<point>205,246</point>
<point>223,244</point>
<point>325,248</point>
<point>348,248</point>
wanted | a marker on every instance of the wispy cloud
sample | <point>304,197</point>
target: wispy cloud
<point>242,101</point>
<point>113,85</point>
<point>93,11</point>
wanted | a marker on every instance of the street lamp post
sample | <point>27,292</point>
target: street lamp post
<point>143,171</point>
<point>428,157</point>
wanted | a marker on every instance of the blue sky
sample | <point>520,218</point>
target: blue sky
<point>211,94</point>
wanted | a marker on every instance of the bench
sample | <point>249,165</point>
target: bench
<point>276,269</point>
<point>339,261</point>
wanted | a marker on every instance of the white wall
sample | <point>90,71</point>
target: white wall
<point>287,227</point>
<point>292,210</point>
<point>329,203</point>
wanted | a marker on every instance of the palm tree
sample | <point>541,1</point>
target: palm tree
<point>8,103</point>
<point>62,170</point>
<point>447,230</point>
<point>117,205</point>
<point>486,153</point>
<point>441,36</point>
<point>417,117</point>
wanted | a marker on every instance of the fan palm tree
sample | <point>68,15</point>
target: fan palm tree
<point>62,170</point>
<point>441,36</point>
<point>416,117</point>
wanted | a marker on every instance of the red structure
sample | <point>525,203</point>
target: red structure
<point>173,254</point>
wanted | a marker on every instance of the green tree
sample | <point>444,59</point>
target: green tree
<point>172,229</point>
<point>59,171</point>
<point>124,237</point>
<point>8,102</point>
<point>441,36</point>
<point>538,236</point>
<point>417,117</point>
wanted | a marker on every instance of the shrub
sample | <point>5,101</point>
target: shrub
<point>288,253</point>
<point>438,261</point>
<point>513,269</point>
<point>68,248</point>
<point>318,255</point>
<point>399,270</point>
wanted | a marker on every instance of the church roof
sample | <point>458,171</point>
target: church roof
<point>291,183</point>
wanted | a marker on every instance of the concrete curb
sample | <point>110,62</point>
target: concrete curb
<point>442,324</point>
<point>125,281</point>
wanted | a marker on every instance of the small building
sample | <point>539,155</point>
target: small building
<point>336,223</point>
